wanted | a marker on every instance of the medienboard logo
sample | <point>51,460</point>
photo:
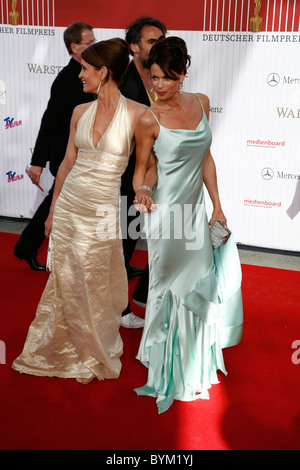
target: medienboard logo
<point>272,144</point>
<point>264,204</point>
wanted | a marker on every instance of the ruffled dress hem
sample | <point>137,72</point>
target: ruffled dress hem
<point>210,318</point>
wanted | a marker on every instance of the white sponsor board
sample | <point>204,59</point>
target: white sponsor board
<point>253,82</point>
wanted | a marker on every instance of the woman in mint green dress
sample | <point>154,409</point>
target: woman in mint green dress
<point>194,306</point>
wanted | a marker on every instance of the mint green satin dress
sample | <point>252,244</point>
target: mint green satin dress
<point>194,306</point>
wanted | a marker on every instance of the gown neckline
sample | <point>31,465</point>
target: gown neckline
<point>184,130</point>
<point>109,125</point>
<point>180,129</point>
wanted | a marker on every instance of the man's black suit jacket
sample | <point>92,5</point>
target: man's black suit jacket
<point>66,94</point>
<point>133,88</point>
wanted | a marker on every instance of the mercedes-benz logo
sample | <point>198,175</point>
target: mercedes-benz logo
<point>273,79</point>
<point>267,173</point>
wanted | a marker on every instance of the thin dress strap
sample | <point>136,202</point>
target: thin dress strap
<point>154,116</point>
<point>204,113</point>
<point>200,101</point>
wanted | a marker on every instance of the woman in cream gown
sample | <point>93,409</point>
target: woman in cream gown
<point>76,329</point>
<point>194,307</point>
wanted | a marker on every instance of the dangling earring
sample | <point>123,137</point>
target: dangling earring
<point>98,89</point>
<point>180,87</point>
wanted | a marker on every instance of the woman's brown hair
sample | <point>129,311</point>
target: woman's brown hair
<point>112,54</point>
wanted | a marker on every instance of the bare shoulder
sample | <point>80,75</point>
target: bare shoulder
<point>80,110</point>
<point>204,100</point>
<point>205,103</point>
<point>135,108</point>
<point>147,126</point>
<point>147,119</point>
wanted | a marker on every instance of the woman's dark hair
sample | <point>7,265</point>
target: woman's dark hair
<point>171,55</point>
<point>112,53</point>
<point>134,29</point>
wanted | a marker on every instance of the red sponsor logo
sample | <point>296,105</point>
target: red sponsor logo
<point>11,176</point>
<point>261,203</point>
<point>265,143</point>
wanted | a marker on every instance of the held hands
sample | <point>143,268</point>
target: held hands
<point>144,201</point>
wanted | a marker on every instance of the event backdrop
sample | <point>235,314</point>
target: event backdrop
<point>244,57</point>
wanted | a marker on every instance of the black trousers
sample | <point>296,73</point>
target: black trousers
<point>129,243</point>
<point>34,233</point>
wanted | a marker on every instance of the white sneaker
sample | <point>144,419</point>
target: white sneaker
<point>132,321</point>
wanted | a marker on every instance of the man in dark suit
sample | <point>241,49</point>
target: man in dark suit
<point>141,35</point>
<point>66,94</point>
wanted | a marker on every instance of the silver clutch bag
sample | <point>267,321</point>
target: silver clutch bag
<point>219,234</point>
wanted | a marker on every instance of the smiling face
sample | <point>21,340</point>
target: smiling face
<point>165,87</point>
<point>90,77</point>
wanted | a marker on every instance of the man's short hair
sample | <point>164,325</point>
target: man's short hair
<point>73,33</point>
<point>134,29</point>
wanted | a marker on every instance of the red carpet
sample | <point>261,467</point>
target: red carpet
<point>256,407</point>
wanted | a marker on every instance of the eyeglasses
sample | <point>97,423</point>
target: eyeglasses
<point>88,43</point>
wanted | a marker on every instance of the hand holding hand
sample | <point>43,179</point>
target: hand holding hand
<point>144,201</point>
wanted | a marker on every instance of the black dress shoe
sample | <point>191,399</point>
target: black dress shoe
<point>32,261</point>
<point>140,300</point>
<point>134,271</point>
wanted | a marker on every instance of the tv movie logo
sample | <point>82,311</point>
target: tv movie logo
<point>2,353</point>
<point>10,122</point>
<point>11,176</point>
